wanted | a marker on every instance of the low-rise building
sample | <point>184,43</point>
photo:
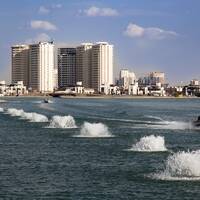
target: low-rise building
<point>15,89</point>
<point>113,90</point>
<point>2,88</point>
<point>194,82</point>
<point>126,78</point>
<point>88,91</point>
<point>133,89</point>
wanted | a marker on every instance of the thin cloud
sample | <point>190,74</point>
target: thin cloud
<point>48,9</point>
<point>43,10</point>
<point>56,5</point>
<point>44,25</point>
<point>136,31</point>
<point>94,11</point>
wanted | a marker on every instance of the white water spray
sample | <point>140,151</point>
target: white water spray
<point>150,144</point>
<point>32,117</point>
<point>15,112</point>
<point>62,122</point>
<point>94,130</point>
<point>1,110</point>
<point>181,166</point>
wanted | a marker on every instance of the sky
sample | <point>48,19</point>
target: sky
<point>148,35</point>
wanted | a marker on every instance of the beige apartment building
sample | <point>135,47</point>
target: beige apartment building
<point>102,67</point>
<point>41,67</point>
<point>34,65</point>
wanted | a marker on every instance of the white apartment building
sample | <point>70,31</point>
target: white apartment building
<point>93,66</point>
<point>126,78</point>
<point>102,67</point>
<point>41,67</point>
<point>133,89</point>
<point>20,63</point>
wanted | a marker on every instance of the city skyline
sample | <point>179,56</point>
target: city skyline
<point>148,36</point>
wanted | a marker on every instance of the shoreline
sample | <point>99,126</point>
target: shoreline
<point>124,97</point>
<point>101,97</point>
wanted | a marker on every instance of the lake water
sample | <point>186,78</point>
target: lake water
<point>99,149</point>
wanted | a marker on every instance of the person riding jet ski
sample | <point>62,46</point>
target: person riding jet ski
<point>197,122</point>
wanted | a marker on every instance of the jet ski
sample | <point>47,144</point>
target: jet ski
<point>197,122</point>
<point>46,100</point>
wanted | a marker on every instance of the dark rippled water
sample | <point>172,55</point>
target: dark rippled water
<point>37,162</point>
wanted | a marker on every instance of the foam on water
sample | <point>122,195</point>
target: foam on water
<point>3,101</point>
<point>62,122</point>
<point>94,130</point>
<point>154,117</point>
<point>120,119</point>
<point>150,144</point>
<point>172,125</point>
<point>15,112</point>
<point>1,109</point>
<point>32,117</point>
<point>41,101</point>
<point>181,166</point>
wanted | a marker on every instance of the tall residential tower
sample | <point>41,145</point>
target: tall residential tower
<point>102,66</point>
<point>20,63</point>
<point>66,67</point>
<point>84,64</point>
<point>41,67</point>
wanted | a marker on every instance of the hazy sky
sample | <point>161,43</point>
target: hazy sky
<point>148,35</point>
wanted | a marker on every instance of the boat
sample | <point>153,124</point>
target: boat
<point>197,122</point>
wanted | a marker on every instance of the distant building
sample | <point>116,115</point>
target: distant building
<point>94,66</point>
<point>15,89</point>
<point>156,77</point>
<point>55,78</point>
<point>88,91</point>
<point>152,79</point>
<point>41,67</point>
<point>20,63</point>
<point>193,89</point>
<point>126,78</point>
<point>194,82</point>
<point>133,89</point>
<point>91,64</point>
<point>34,65</point>
<point>102,67</point>
<point>66,67</point>
<point>84,64</point>
<point>2,88</point>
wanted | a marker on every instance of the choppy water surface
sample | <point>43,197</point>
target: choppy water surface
<point>99,149</point>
